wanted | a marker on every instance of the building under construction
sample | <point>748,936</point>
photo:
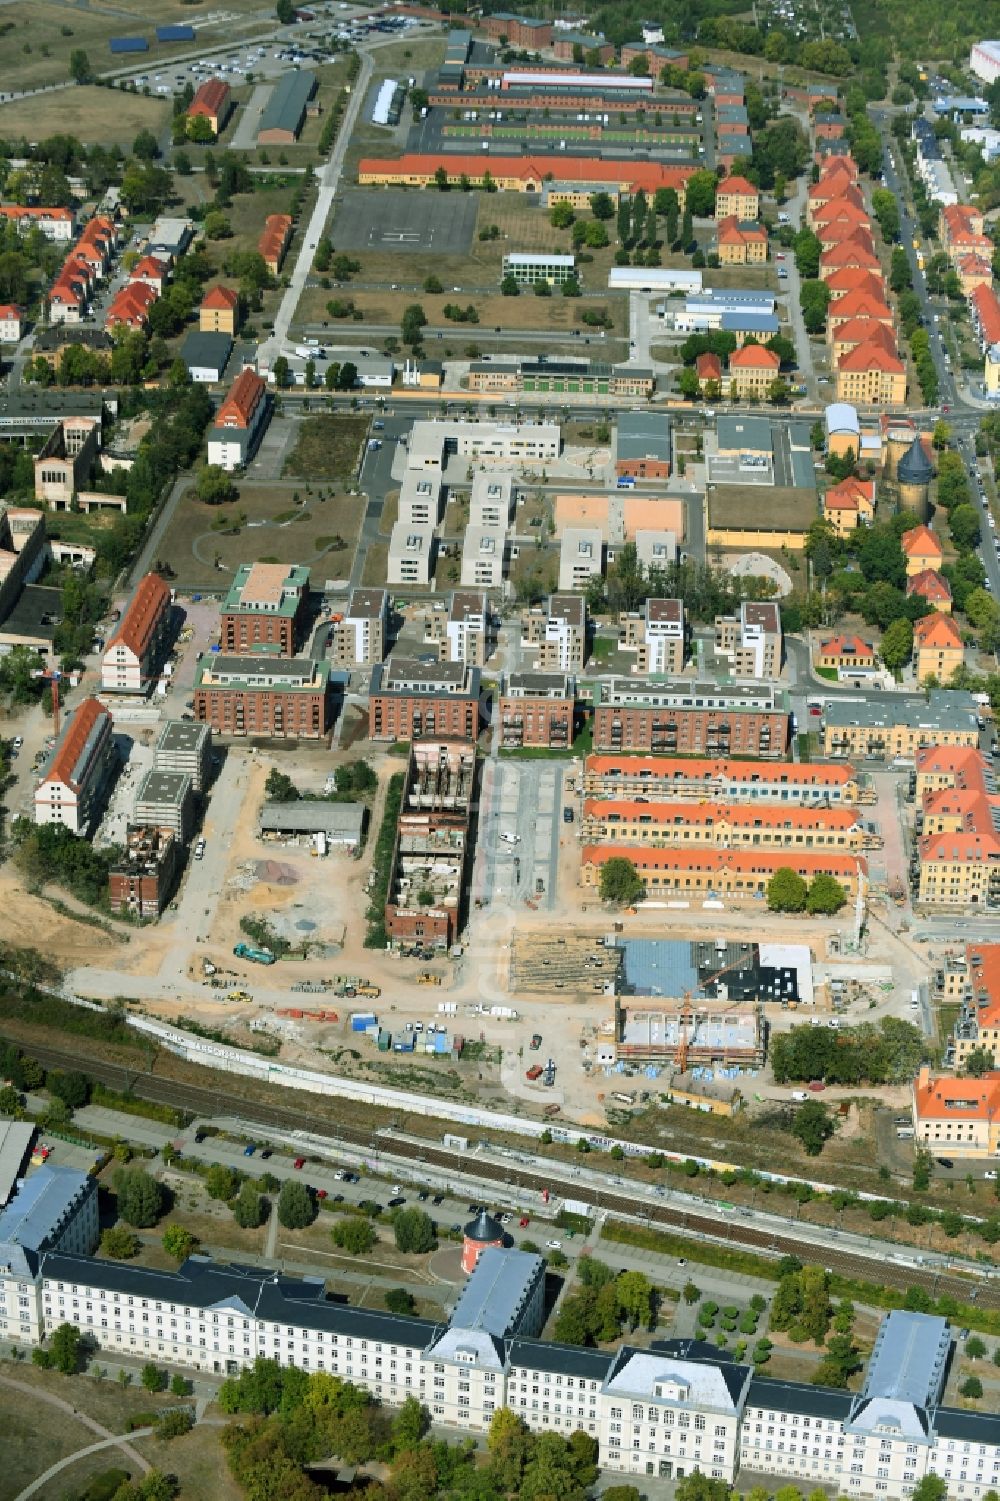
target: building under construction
<point>712,1001</point>
<point>427,878</point>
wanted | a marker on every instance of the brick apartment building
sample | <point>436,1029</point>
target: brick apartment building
<point>695,720</point>
<point>520,31</point>
<point>264,609</point>
<point>141,882</point>
<point>536,708</point>
<point>284,699</point>
<point>410,700</point>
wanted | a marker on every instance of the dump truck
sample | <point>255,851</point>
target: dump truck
<point>255,955</point>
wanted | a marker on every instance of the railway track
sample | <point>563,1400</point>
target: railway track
<point>202,1099</point>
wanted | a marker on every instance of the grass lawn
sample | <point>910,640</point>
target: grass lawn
<point>376,563</point>
<point>327,447</point>
<point>560,314</point>
<point>269,526</point>
<point>108,116</point>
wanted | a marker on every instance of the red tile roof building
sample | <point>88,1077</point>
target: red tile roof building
<point>849,505</point>
<point>274,240</point>
<point>133,653</point>
<point>737,874</point>
<point>957,1115</point>
<point>869,375</point>
<point>736,198</point>
<point>752,368</point>
<point>659,777</point>
<point>130,307</point>
<point>854,279</point>
<point>219,311</point>
<point>921,548</point>
<point>932,587</point>
<point>74,779</point>
<point>985,309</point>
<point>846,653</point>
<point>711,825</point>
<point>527,174</point>
<point>213,102</point>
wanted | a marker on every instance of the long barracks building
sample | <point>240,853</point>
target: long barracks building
<point>664,1411</point>
<point>523,174</point>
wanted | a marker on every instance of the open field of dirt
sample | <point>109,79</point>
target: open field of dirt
<point>107,116</point>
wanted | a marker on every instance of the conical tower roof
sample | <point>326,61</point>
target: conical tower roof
<point>484,1229</point>
<point>915,468</point>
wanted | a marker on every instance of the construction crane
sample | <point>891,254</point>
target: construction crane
<point>686,1017</point>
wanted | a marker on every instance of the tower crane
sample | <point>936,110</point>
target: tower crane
<point>52,676</point>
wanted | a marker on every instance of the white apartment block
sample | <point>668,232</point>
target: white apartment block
<point>656,633</point>
<point>411,554</point>
<point>468,629</point>
<point>484,553</point>
<point>559,632</point>
<point>420,498</point>
<point>581,556</point>
<point>664,1411</point>
<point>751,640</point>
<point>359,639</point>
<point>432,442</point>
<point>494,498</point>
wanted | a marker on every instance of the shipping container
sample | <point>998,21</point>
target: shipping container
<point>362,1020</point>
<point>384,1040</point>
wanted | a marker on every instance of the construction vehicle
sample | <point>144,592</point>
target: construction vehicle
<point>534,1072</point>
<point>255,955</point>
<point>239,995</point>
<point>426,978</point>
<point>349,985</point>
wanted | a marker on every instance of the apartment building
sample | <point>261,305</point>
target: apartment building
<point>165,800</point>
<point>751,370</point>
<point>275,239</point>
<point>847,655</point>
<point>657,634</point>
<point>737,198</point>
<point>849,504</point>
<point>663,778</point>
<point>698,719</point>
<point>361,637</point>
<point>57,224</point>
<point>134,652</point>
<point>537,708</point>
<point>869,375</point>
<point>899,728</point>
<point>974,979</point>
<point>74,778</point>
<point>412,554</point>
<point>500,442</point>
<point>53,1209</point>
<point>286,699</point>
<point>425,897</point>
<point>740,242</point>
<point>410,700</point>
<point>420,498</point>
<point>484,557</point>
<point>559,630</point>
<point>494,498</point>
<point>239,422</point>
<point>186,747</point>
<point>752,640</point>
<point>739,874</point>
<point>264,609</point>
<point>464,630</point>
<point>960,868</point>
<point>219,311</point>
<point>713,825</point>
<point>142,880</point>
<point>581,556</point>
<point>922,550</point>
<point>938,648</point>
<point>212,102</point>
<point>956,1114</point>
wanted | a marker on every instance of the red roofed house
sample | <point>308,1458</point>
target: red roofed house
<point>67,299</point>
<point>985,309</point>
<point>973,271</point>
<point>75,776</point>
<point>850,252</point>
<point>55,223</point>
<point>859,304</point>
<point>151,272</point>
<point>10,323</point>
<point>855,331</point>
<point>130,307</point>
<point>134,652</point>
<point>921,549</point>
<point>238,423</point>
<point>751,370</point>
<point>741,244</point>
<point>957,1115</point>
<point>220,311</point>
<point>834,184</point>
<point>932,587</point>
<point>937,645</point>
<point>854,279</point>
<point>274,241</point>
<point>735,198</point>
<point>846,655</point>
<point>708,368</point>
<point>869,375</point>
<point>213,102</point>
<point>849,505</point>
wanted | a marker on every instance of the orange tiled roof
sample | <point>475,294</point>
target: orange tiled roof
<point>659,768</point>
<point>708,366</point>
<point>848,495</point>
<point>732,232</point>
<point>759,862</point>
<point>983,960</point>
<point>210,98</point>
<point>871,356</point>
<point>864,331</point>
<point>646,175</point>
<point>930,585</point>
<point>860,303</point>
<point>947,1097</point>
<point>738,185</point>
<point>754,357</point>
<point>851,278</point>
<point>920,542</point>
<point>739,815</point>
<point>848,646</point>
<point>221,297</point>
<point>142,615</point>
<point>245,393</point>
<point>987,309</point>
<point>74,738</point>
<point>937,631</point>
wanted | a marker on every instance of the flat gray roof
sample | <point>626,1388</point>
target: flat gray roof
<point>159,787</point>
<point>309,815</point>
<point>208,351</point>
<point>15,1139</point>
<point>643,435</point>
<point>947,709</point>
<point>288,100</point>
<point>182,735</point>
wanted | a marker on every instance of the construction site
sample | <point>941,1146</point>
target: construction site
<point>433,844</point>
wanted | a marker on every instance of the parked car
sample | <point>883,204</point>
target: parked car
<point>299,1163</point>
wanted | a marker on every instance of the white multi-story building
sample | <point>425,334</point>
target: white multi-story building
<point>412,553</point>
<point>76,774</point>
<point>581,556</point>
<point>664,1411</point>
<point>420,498</point>
<point>984,61</point>
<point>484,553</point>
<point>360,639</point>
<point>493,498</point>
<point>54,1209</point>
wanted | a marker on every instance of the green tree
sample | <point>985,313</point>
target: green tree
<point>66,1352</point>
<point>813,1126</point>
<point>786,891</point>
<point>826,896</point>
<point>963,523</point>
<point>561,215</point>
<point>354,1235</point>
<point>79,66</point>
<point>897,644</point>
<point>692,1292</point>
<point>699,194</point>
<point>279,787</point>
<point>975,1348</point>
<point>509,1444</point>
<point>296,1207</point>
<point>119,1244</point>
<point>217,226</point>
<point>153,1378</point>
<point>602,206</point>
<point>621,882</point>
<point>250,1208</point>
<point>635,1297</point>
<point>414,1231</point>
<point>222,1182</point>
<point>179,1242</point>
<point>139,1197</point>
<point>971,1387</point>
<point>398,1300</point>
<point>285,12</point>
